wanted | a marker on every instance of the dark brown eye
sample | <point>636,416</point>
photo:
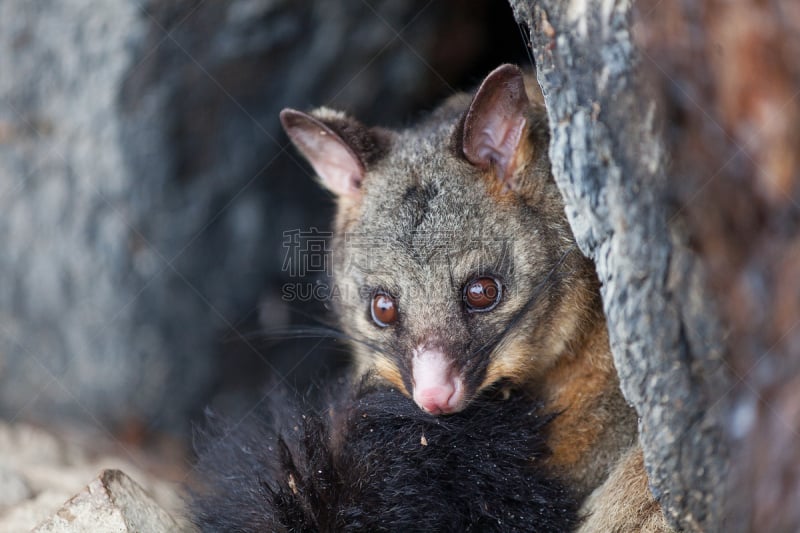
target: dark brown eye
<point>482,294</point>
<point>384,309</point>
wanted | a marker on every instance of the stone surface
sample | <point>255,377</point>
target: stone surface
<point>112,502</point>
<point>39,472</point>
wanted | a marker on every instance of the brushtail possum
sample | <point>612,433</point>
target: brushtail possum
<point>457,270</point>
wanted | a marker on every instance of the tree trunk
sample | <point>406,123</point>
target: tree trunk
<point>610,159</point>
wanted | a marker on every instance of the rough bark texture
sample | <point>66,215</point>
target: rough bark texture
<point>610,162</point>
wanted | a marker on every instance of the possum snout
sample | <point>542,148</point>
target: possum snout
<point>438,386</point>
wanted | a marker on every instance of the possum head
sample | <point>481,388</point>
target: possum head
<point>453,259</point>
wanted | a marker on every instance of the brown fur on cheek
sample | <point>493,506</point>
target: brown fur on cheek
<point>524,360</point>
<point>515,362</point>
<point>387,370</point>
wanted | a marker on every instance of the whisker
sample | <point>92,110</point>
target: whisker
<point>310,332</point>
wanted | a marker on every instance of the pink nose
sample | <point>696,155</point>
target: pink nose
<point>437,387</point>
<point>436,400</point>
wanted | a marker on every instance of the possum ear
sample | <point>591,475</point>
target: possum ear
<point>495,122</point>
<point>334,160</point>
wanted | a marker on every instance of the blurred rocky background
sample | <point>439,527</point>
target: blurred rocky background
<point>145,187</point>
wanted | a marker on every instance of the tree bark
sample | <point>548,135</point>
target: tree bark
<point>610,160</point>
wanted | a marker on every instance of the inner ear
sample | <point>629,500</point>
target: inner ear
<point>495,122</point>
<point>334,161</point>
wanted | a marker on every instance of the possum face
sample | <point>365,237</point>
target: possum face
<point>453,259</point>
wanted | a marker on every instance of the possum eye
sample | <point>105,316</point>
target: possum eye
<point>482,294</point>
<point>384,309</point>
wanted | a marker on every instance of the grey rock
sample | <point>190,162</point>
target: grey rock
<point>112,502</point>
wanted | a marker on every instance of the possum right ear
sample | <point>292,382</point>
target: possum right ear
<point>495,123</point>
<point>334,160</point>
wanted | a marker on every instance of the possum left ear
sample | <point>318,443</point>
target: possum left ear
<point>495,123</point>
<point>335,162</point>
<point>340,148</point>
